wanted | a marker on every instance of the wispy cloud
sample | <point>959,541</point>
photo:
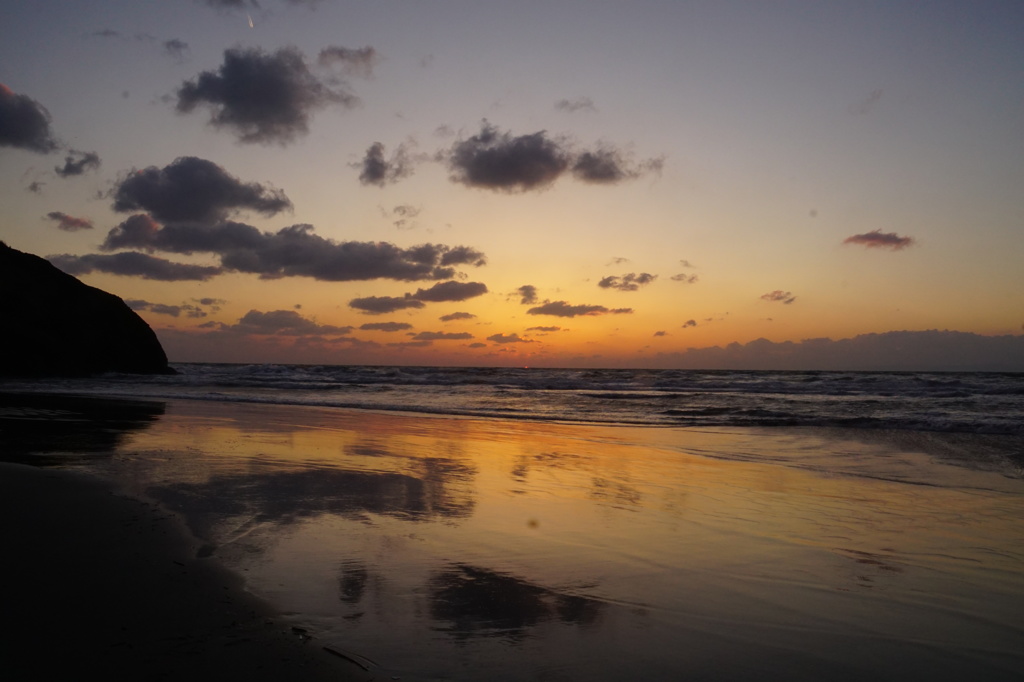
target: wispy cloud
<point>608,165</point>
<point>380,305</point>
<point>876,239</point>
<point>176,49</point>
<point>503,339</point>
<point>385,326</point>
<point>779,296</point>
<point>573,105</point>
<point>377,170</point>
<point>457,316</point>
<point>77,163</point>
<point>564,309</point>
<point>192,311</point>
<point>133,264</point>
<point>353,62</point>
<point>627,282</point>
<point>441,336</point>
<point>69,223</point>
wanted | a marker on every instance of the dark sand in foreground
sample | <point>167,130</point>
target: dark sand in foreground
<point>101,584</point>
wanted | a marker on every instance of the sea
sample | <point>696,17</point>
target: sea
<point>532,524</point>
<point>969,402</point>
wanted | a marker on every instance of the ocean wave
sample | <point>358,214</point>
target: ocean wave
<point>990,403</point>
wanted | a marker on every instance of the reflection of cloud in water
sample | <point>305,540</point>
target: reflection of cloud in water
<point>352,583</point>
<point>468,601</point>
<point>285,497</point>
<point>67,429</point>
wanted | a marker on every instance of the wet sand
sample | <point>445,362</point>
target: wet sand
<point>102,584</point>
<point>467,549</point>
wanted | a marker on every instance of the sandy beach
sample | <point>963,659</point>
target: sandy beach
<point>464,549</point>
<point>99,583</point>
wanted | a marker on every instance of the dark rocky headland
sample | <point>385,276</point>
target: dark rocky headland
<point>55,325</point>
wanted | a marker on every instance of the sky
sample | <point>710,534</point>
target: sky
<point>539,183</point>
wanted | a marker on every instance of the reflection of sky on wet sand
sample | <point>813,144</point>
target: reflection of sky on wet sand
<point>447,548</point>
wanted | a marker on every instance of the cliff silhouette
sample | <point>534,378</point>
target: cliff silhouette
<point>55,325</point>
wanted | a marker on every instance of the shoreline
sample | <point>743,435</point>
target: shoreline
<point>415,540</point>
<point>102,582</point>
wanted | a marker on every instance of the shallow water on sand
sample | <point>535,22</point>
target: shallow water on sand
<point>455,548</point>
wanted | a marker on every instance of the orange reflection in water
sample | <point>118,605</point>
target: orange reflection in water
<point>429,540</point>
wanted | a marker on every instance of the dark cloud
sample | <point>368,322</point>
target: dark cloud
<point>138,231</point>
<point>508,338</point>
<point>441,336</point>
<point>689,323</point>
<point>294,251</point>
<point>661,333</point>
<point>164,309</point>
<point>457,316</point>
<point>451,291</point>
<point>687,264</point>
<point>177,49</point>
<point>380,171</point>
<point>443,291</point>
<point>69,223</point>
<point>609,166</point>
<point>528,294</point>
<point>563,309</point>
<point>618,260</point>
<point>24,123</point>
<point>867,104</point>
<point>574,105</point>
<point>877,239</point>
<point>262,98</point>
<point>463,255</point>
<point>779,296</point>
<point>543,329</point>
<point>402,216</point>
<point>931,350</point>
<point>36,187</point>
<point>285,323</point>
<point>628,282</point>
<point>191,189</point>
<point>379,305</point>
<point>76,163</point>
<point>358,62</point>
<point>684,278</point>
<point>385,326</point>
<point>496,160</point>
<point>131,263</point>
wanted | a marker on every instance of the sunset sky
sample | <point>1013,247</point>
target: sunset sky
<point>560,183</point>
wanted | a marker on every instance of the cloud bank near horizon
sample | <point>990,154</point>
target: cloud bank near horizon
<point>930,350</point>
